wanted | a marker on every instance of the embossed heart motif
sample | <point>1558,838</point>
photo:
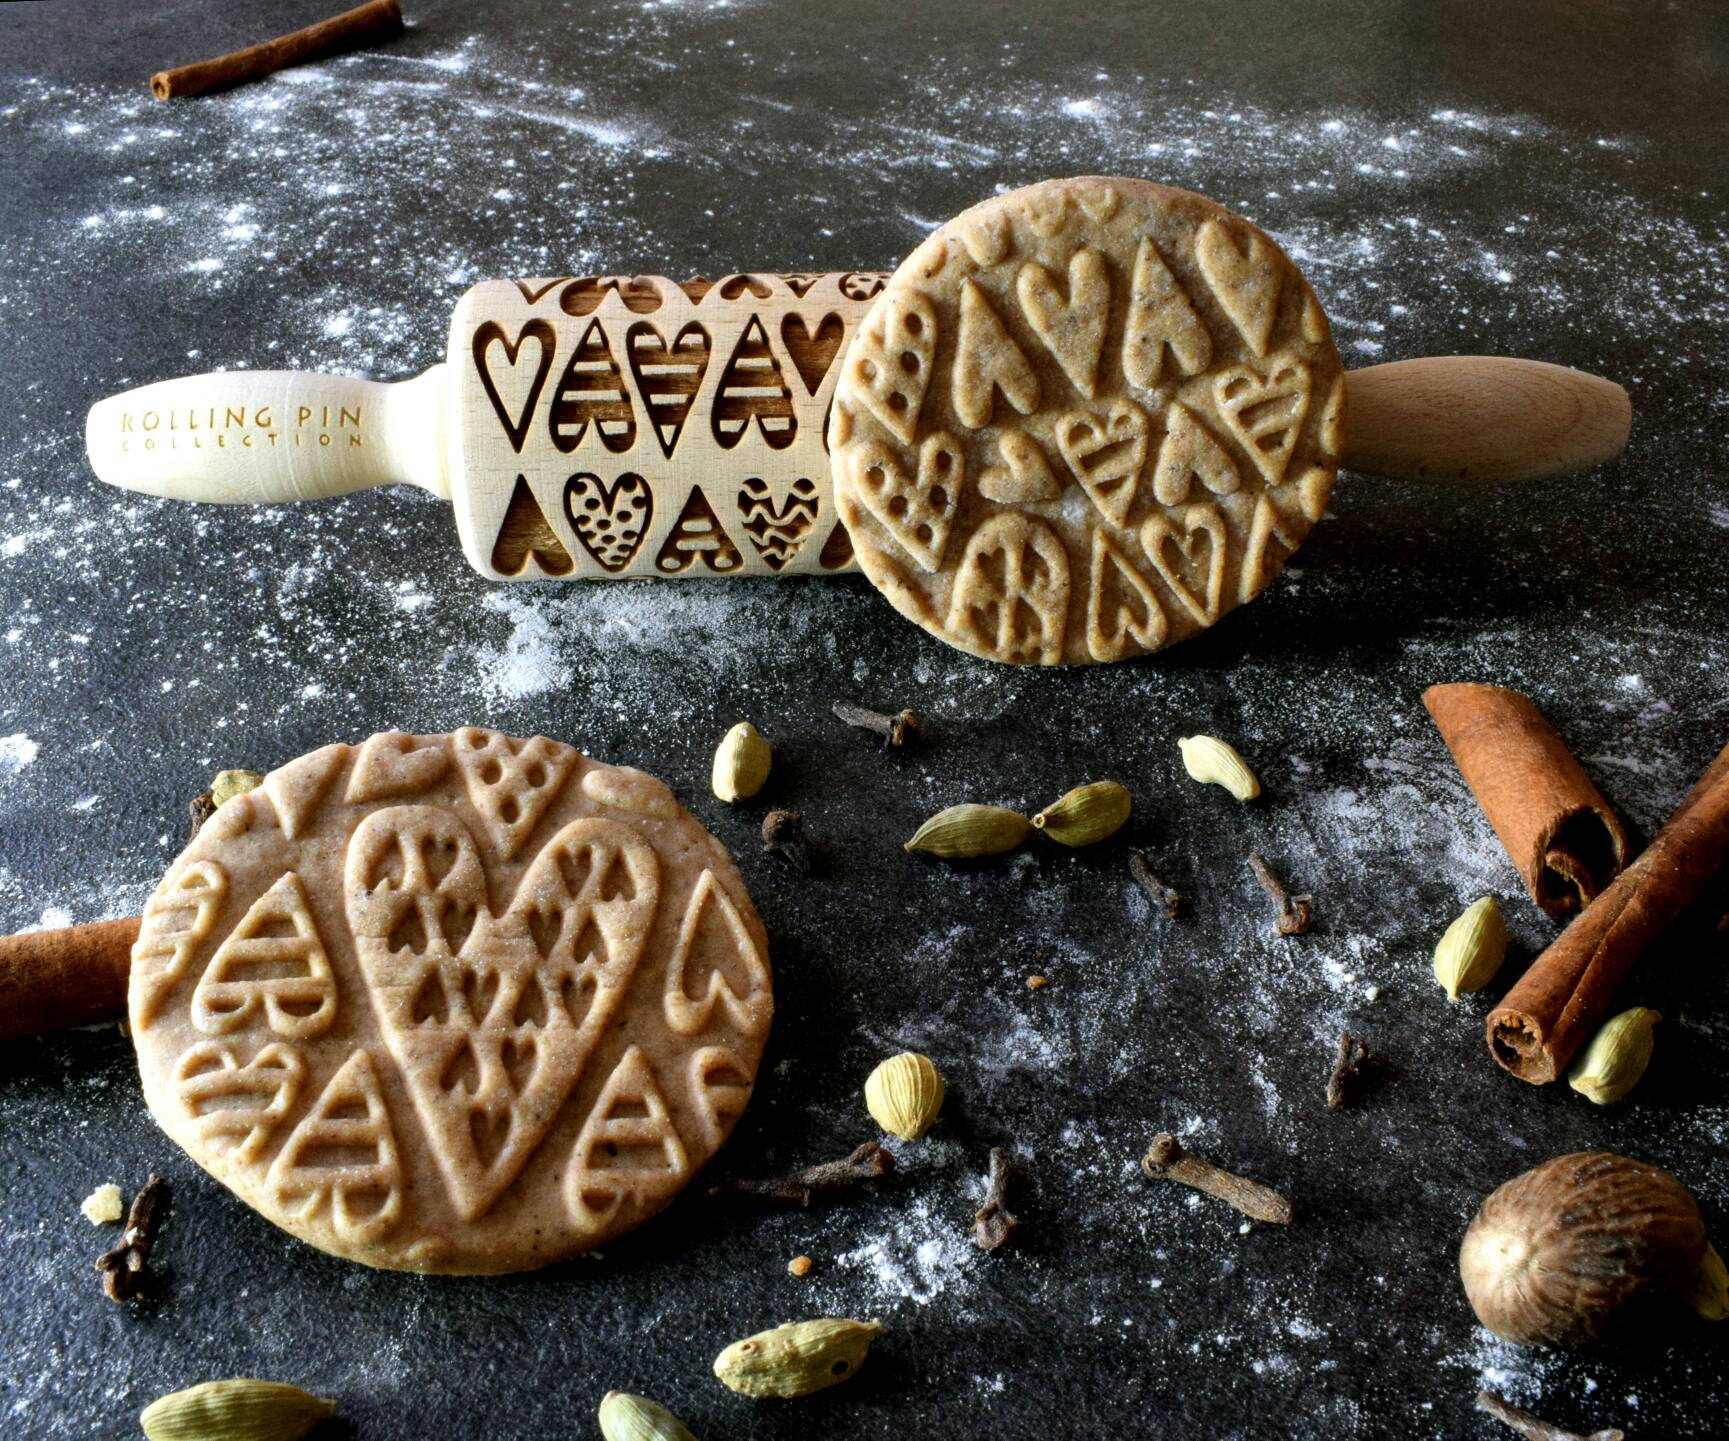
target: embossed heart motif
<point>1024,476</point>
<point>1265,413</point>
<point>484,1034</point>
<point>668,377</point>
<point>392,764</point>
<point>442,1089</point>
<point>1245,281</point>
<point>610,521</point>
<point>1199,522</point>
<point>812,352</point>
<point>511,384</point>
<point>1107,455</point>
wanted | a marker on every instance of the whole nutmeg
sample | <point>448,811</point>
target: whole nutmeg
<point>1556,1254</point>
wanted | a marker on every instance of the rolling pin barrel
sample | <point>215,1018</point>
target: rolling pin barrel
<point>1481,418</point>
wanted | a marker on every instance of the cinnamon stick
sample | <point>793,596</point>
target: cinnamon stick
<point>1559,831</point>
<point>377,20</point>
<point>1543,1020</point>
<point>53,979</point>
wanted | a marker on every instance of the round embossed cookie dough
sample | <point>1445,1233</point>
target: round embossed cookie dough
<point>1084,420</point>
<point>453,1003</point>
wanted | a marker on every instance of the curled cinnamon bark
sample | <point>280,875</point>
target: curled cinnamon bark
<point>365,25</point>
<point>1559,831</point>
<point>53,979</point>
<point>1544,1019</point>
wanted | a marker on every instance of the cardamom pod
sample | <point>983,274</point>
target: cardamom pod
<point>904,1095</point>
<point>237,1410</point>
<point>962,832</point>
<point>1212,762</point>
<point>1709,1293</point>
<point>741,763</point>
<point>229,784</point>
<point>1471,950</point>
<point>1086,814</point>
<point>624,1417</point>
<point>1616,1056</point>
<point>797,1358</point>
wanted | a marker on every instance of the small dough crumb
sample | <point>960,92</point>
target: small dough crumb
<point>799,1266</point>
<point>102,1206</point>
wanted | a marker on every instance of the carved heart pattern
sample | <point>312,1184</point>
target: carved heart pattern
<point>776,533</point>
<point>515,390</point>
<point>640,293</point>
<point>1106,455</point>
<point>812,352</point>
<point>1198,521</point>
<point>610,521</point>
<point>668,379</point>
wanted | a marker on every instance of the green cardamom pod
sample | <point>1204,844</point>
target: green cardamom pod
<point>624,1417</point>
<point>742,762</point>
<point>1709,1293</point>
<point>1214,762</point>
<point>962,832</point>
<point>229,784</point>
<point>1471,949</point>
<point>236,1410</point>
<point>797,1358</point>
<point>1086,814</point>
<point>1616,1056</point>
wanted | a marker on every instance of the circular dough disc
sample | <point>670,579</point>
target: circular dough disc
<point>451,1003</point>
<point>1084,420</point>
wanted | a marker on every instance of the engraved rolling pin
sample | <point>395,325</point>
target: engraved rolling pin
<point>1114,336</point>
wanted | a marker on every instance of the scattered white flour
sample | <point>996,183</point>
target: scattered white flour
<point>360,612</point>
<point>922,1252</point>
<point>16,752</point>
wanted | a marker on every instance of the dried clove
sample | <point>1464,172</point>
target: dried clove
<point>1534,1429</point>
<point>1166,1160</point>
<point>993,1224</point>
<point>1171,902</point>
<point>1295,912</point>
<point>201,808</point>
<point>1347,1070</point>
<point>898,731</point>
<point>123,1268</point>
<point>784,834</point>
<point>868,1163</point>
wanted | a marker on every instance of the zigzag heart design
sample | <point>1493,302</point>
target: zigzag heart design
<point>777,533</point>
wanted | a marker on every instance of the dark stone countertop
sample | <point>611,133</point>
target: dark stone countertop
<point>1541,180</point>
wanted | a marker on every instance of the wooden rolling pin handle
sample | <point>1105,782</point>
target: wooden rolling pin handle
<point>1481,417</point>
<point>75,977</point>
<point>262,437</point>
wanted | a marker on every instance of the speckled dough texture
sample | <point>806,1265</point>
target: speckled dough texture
<point>451,1003</point>
<point>1084,420</point>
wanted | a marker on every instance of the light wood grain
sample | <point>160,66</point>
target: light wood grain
<point>1480,418</point>
<point>635,426</point>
